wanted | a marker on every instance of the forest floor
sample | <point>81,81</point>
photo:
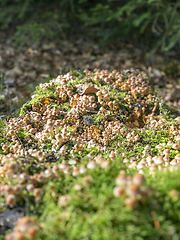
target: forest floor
<point>23,68</point>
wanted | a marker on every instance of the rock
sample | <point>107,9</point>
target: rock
<point>9,77</point>
<point>20,58</point>
<point>30,75</point>
<point>43,75</point>
<point>9,93</point>
<point>47,56</point>
<point>17,71</point>
<point>122,54</point>
<point>28,66</point>
<point>128,63</point>
<point>10,51</point>
<point>173,95</point>
<point>57,52</point>
<point>44,67</point>
<point>11,216</point>
<point>177,92</point>
<point>157,72</point>
<point>21,82</point>
<point>48,46</point>
<point>9,82</point>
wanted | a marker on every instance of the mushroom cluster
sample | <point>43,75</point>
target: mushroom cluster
<point>132,189</point>
<point>26,228</point>
<point>79,124</point>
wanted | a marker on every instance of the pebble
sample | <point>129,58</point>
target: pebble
<point>9,77</point>
<point>17,71</point>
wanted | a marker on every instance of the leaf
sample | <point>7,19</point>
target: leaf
<point>87,88</point>
<point>173,40</point>
<point>140,19</point>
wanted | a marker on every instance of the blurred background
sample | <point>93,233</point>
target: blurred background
<point>40,39</point>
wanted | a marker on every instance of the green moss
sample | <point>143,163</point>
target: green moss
<point>94,212</point>
<point>22,134</point>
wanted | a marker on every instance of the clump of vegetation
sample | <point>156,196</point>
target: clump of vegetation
<point>93,155</point>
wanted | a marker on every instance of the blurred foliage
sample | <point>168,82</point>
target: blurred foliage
<point>34,20</point>
<point>155,22</point>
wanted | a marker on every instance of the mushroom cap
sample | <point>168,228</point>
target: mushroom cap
<point>134,164</point>
<point>63,200</point>
<point>166,152</point>
<point>63,165</point>
<point>125,160</point>
<point>91,164</point>
<point>177,119</point>
<point>177,138</point>
<point>138,179</point>
<point>174,162</point>
<point>118,191</point>
<point>149,158</point>
<point>159,160</point>
<point>175,146</point>
<point>173,193</point>
<point>112,155</point>
<point>153,167</point>
<point>82,169</point>
<point>132,190</point>
<point>131,203</point>
<point>170,143</point>
<point>177,156</point>
<point>99,159</point>
<point>159,146</point>
<point>121,180</point>
<point>141,165</point>
<point>166,159</point>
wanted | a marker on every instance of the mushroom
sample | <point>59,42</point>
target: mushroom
<point>177,157</point>
<point>121,180</point>
<point>138,179</point>
<point>119,191</point>
<point>91,164</point>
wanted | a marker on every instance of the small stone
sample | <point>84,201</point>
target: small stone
<point>9,73</point>
<point>11,216</point>
<point>44,75</point>
<point>9,78</point>
<point>44,67</point>
<point>30,75</point>
<point>88,120</point>
<point>49,46</point>
<point>57,52</point>
<point>17,71</point>
<point>157,72</point>
<point>10,51</point>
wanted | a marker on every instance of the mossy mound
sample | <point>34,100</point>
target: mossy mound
<point>93,155</point>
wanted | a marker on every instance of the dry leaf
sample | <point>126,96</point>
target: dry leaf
<point>87,88</point>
